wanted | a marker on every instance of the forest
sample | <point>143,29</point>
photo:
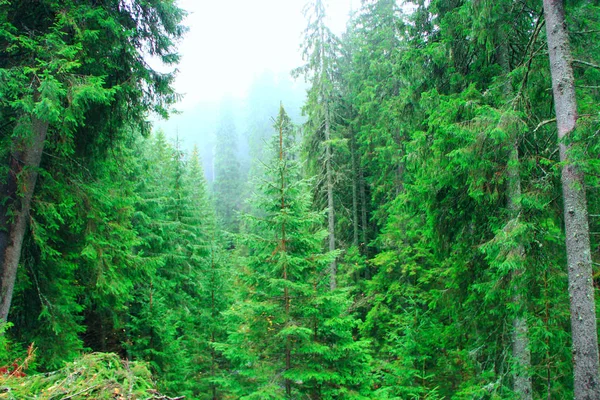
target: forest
<point>428,228</point>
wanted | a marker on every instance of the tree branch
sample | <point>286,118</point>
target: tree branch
<point>586,32</point>
<point>585,63</point>
<point>548,121</point>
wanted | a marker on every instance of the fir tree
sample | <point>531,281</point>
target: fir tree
<point>320,53</point>
<point>175,315</point>
<point>291,336</point>
<point>60,61</point>
<point>228,179</point>
<point>211,280</point>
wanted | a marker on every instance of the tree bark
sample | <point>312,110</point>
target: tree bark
<point>363,218</point>
<point>521,352</point>
<point>579,263</point>
<point>353,155</point>
<point>283,249</point>
<point>213,356</point>
<point>328,166</point>
<point>330,207</point>
<point>17,192</point>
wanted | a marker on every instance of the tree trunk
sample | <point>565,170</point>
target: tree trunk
<point>363,218</point>
<point>24,161</point>
<point>354,188</point>
<point>330,209</point>
<point>328,166</point>
<point>579,263</point>
<point>283,249</point>
<point>520,335</point>
<point>213,356</point>
<point>520,351</point>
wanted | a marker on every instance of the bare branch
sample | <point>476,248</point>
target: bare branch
<point>586,63</point>
<point>586,32</point>
<point>548,121</point>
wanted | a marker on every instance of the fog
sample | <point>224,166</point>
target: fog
<point>240,53</point>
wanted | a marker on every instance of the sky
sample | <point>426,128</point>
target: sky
<point>230,44</point>
<point>232,41</point>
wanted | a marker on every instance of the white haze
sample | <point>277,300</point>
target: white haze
<point>229,45</point>
<point>231,42</point>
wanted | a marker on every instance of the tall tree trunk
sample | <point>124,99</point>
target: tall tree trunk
<point>520,335</point>
<point>214,313</point>
<point>520,350</point>
<point>354,188</point>
<point>328,166</point>
<point>363,218</point>
<point>579,262</point>
<point>16,194</point>
<point>330,209</point>
<point>283,249</point>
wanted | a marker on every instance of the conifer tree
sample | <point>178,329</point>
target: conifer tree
<point>175,313</point>
<point>151,338</point>
<point>228,179</point>
<point>78,270</point>
<point>59,61</point>
<point>579,262</point>
<point>291,335</point>
<point>212,294</point>
<point>320,53</point>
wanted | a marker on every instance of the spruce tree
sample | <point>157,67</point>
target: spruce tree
<point>175,314</point>
<point>291,335</point>
<point>211,281</point>
<point>320,53</point>
<point>228,178</point>
<point>78,269</point>
<point>75,76</point>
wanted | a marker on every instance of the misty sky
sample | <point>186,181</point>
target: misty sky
<point>229,46</point>
<point>231,41</point>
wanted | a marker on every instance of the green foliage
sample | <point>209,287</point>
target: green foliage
<point>84,56</point>
<point>228,184</point>
<point>421,120</point>
<point>80,68</point>
<point>96,375</point>
<point>80,241</point>
<point>290,335</point>
<point>175,310</point>
<point>427,100</point>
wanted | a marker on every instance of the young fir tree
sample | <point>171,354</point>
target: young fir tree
<point>210,279</point>
<point>291,335</point>
<point>154,320</point>
<point>175,222</point>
